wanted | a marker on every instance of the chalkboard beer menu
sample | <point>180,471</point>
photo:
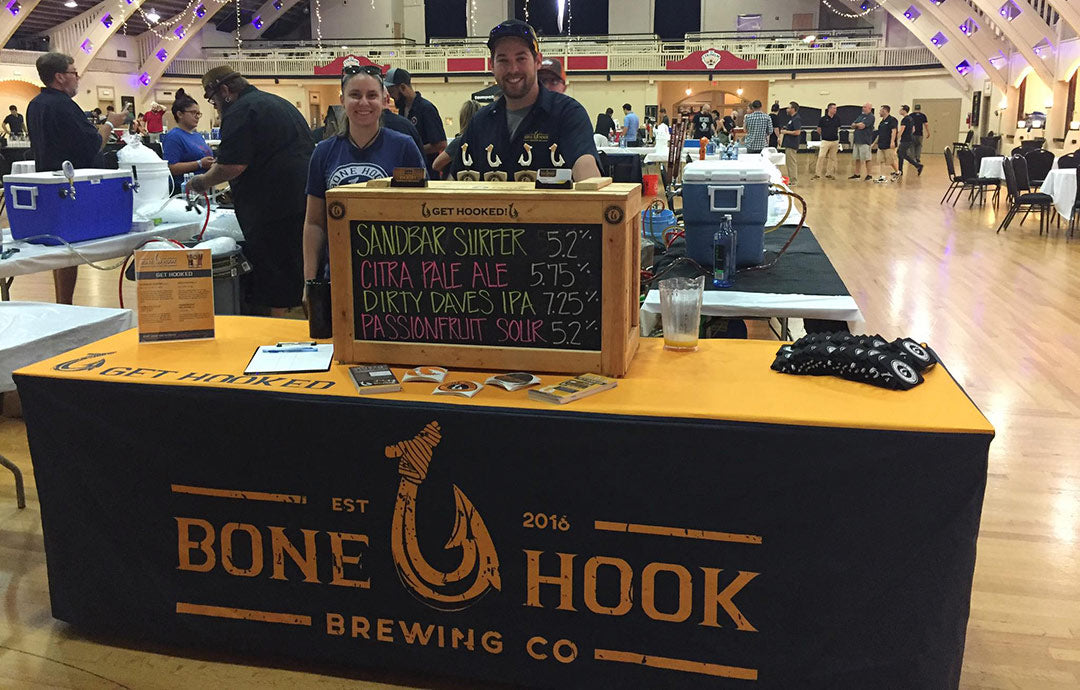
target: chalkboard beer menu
<point>488,275</point>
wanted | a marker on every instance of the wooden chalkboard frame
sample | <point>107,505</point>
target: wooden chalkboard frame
<point>615,207</point>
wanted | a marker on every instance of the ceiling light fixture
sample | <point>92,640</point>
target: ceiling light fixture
<point>71,4</point>
<point>153,17</point>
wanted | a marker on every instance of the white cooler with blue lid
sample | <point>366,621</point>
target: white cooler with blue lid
<point>713,189</point>
<point>41,203</point>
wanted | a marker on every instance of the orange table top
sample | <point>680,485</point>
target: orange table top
<point>726,380</point>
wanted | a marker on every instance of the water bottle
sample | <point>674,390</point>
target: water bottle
<point>622,142</point>
<point>724,254</point>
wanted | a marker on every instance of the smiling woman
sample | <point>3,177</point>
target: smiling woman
<point>364,151</point>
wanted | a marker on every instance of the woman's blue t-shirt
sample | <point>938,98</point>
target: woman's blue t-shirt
<point>337,161</point>
<point>183,147</point>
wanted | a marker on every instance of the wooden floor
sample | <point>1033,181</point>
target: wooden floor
<point>1003,311</point>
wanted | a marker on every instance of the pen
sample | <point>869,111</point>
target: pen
<point>290,349</point>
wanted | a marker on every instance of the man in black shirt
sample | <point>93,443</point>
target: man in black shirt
<point>59,131</point>
<point>907,130</point>
<point>920,129</point>
<point>418,110</point>
<point>886,142</point>
<point>264,153</point>
<point>529,127</point>
<point>776,117</point>
<point>13,123</point>
<point>791,133</point>
<point>829,129</point>
<point>703,124</point>
<point>605,123</point>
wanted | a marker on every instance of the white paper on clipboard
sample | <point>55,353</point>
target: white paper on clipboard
<point>270,359</point>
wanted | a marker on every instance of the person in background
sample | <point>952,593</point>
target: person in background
<point>703,124</point>
<point>528,128</point>
<point>828,128</point>
<point>791,132</point>
<point>605,124</point>
<point>907,129</point>
<point>264,153</point>
<point>774,115</point>
<point>920,128</point>
<point>138,126</point>
<point>129,115</point>
<point>392,120</point>
<point>861,142</point>
<point>96,117</point>
<point>551,75</point>
<point>154,120</point>
<point>59,131</point>
<point>418,110</point>
<point>453,149</point>
<point>14,124</point>
<point>758,126</point>
<point>664,119</point>
<point>630,125</point>
<point>886,142</point>
<point>365,150</point>
<point>183,147</point>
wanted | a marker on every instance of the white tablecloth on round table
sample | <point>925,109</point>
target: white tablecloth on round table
<point>33,331</point>
<point>1061,184</point>
<point>991,167</point>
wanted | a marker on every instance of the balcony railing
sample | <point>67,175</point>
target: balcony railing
<point>641,54</point>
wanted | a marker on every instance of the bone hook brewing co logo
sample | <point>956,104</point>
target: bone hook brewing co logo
<point>478,571</point>
<point>88,362</point>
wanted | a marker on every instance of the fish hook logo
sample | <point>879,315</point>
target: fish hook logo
<point>478,571</point>
<point>88,362</point>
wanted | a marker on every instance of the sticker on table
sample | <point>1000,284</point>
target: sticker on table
<point>466,389</point>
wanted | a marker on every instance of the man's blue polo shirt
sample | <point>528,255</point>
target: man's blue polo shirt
<point>555,121</point>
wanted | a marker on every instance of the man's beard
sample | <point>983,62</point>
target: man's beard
<point>400,103</point>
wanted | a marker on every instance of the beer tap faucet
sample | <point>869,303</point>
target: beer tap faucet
<point>69,173</point>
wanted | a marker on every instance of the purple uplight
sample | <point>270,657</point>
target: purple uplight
<point>13,6</point>
<point>87,46</point>
<point>144,79</point>
<point>179,31</point>
<point>964,67</point>
<point>912,13</point>
<point>200,11</point>
<point>162,55</point>
<point>107,20</point>
<point>939,39</point>
<point>257,22</point>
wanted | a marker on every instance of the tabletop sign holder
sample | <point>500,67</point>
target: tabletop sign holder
<point>175,294</point>
<point>487,275</point>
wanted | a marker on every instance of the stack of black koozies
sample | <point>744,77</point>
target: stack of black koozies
<point>898,365</point>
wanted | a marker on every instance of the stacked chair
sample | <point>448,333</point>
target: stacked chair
<point>1021,198</point>
<point>975,185</point>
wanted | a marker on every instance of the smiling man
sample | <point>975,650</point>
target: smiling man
<point>529,127</point>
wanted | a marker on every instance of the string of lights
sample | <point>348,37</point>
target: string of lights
<point>239,41</point>
<point>866,8</point>
<point>472,17</point>
<point>526,10</point>
<point>173,32</point>
<point>318,24</point>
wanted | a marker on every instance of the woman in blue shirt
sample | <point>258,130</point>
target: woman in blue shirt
<point>184,148</point>
<point>364,151</point>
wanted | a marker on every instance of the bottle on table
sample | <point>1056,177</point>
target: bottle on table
<point>724,254</point>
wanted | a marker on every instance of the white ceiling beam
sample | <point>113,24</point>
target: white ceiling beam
<point>982,44</point>
<point>153,67</point>
<point>10,22</point>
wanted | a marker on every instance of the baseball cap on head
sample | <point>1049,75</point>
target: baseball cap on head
<point>216,77</point>
<point>514,28</point>
<point>396,76</point>
<point>554,66</point>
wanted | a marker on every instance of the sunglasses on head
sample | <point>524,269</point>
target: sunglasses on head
<point>514,30</point>
<point>373,70</point>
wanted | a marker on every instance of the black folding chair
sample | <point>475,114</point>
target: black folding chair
<point>966,143</point>
<point>1039,162</point>
<point>976,186</point>
<point>1069,160</point>
<point>1017,150</point>
<point>1019,198</point>
<point>956,182</point>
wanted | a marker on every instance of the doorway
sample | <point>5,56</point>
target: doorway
<point>943,118</point>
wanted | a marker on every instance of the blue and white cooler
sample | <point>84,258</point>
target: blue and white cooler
<point>41,203</point>
<point>713,189</point>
